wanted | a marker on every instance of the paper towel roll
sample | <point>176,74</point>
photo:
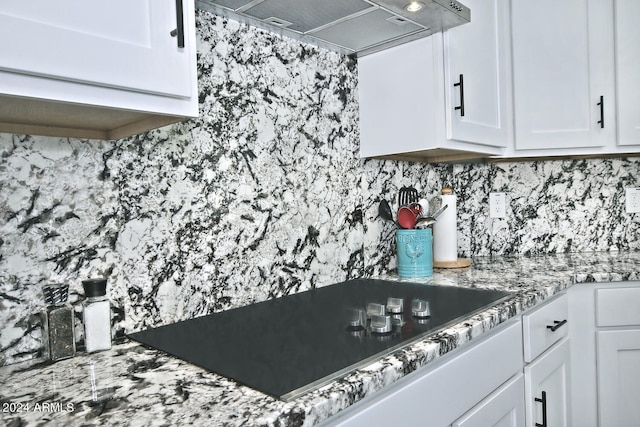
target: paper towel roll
<point>445,231</point>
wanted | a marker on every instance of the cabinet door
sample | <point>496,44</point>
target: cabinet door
<point>479,52</point>
<point>627,57</point>
<point>547,391</point>
<point>503,408</point>
<point>619,377</point>
<point>561,70</point>
<point>396,112</point>
<point>115,43</point>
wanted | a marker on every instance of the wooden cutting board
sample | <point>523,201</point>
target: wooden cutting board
<point>459,263</point>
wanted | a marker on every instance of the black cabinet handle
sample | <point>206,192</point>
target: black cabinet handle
<point>556,324</point>
<point>543,400</point>
<point>461,106</point>
<point>179,31</point>
<point>601,104</point>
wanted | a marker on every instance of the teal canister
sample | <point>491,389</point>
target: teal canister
<point>415,255</point>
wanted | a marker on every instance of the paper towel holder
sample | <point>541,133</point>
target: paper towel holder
<point>460,262</point>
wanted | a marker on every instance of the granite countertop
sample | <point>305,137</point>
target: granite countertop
<point>131,385</point>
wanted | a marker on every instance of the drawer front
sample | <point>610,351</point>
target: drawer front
<point>545,326</point>
<point>618,307</point>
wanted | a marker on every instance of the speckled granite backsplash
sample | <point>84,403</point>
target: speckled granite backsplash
<point>263,195</point>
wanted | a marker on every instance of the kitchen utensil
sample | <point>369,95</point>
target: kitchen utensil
<point>428,221</point>
<point>384,211</point>
<point>407,196</point>
<point>407,215</point>
<point>424,205</point>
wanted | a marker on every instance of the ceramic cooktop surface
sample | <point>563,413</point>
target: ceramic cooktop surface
<point>288,346</point>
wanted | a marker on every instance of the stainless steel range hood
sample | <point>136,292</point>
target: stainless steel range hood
<point>346,26</point>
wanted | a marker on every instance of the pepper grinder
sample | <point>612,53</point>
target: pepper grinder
<point>59,337</point>
<point>96,315</point>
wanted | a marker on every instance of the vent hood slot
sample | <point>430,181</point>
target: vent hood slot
<point>356,33</point>
<point>306,15</point>
<point>346,26</point>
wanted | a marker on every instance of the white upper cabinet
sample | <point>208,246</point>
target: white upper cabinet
<point>561,72</point>
<point>627,57</point>
<point>89,41</point>
<point>478,72</point>
<point>95,68</point>
<point>411,102</point>
<point>576,84</point>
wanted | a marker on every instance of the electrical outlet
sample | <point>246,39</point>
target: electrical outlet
<point>633,200</point>
<point>497,205</point>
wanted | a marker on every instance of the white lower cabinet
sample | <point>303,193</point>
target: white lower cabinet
<point>605,351</point>
<point>445,390</point>
<point>618,355</point>
<point>547,391</point>
<point>503,408</point>
<point>547,373</point>
<point>584,399</point>
<point>619,377</point>
<point>581,358</point>
<point>485,385</point>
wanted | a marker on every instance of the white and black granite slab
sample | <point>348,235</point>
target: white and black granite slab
<point>253,200</point>
<point>138,386</point>
<point>261,196</point>
<point>558,206</point>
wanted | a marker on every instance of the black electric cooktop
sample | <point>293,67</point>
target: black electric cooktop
<point>288,346</point>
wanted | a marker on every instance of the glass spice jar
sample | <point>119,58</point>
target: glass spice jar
<point>58,325</point>
<point>96,315</point>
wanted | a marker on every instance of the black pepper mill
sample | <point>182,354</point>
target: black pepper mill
<point>58,334</point>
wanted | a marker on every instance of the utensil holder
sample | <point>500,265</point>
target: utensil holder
<point>415,253</point>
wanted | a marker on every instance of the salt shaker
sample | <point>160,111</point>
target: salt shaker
<point>59,336</point>
<point>96,315</point>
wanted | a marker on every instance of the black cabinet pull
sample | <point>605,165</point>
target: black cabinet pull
<point>543,400</point>
<point>461,106</point>
<point>556,324</point>
<point>179,31</point>
<point>601,104</point>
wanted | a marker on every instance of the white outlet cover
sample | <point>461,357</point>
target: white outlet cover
<point>497,205</point>
<point>633,200</point>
